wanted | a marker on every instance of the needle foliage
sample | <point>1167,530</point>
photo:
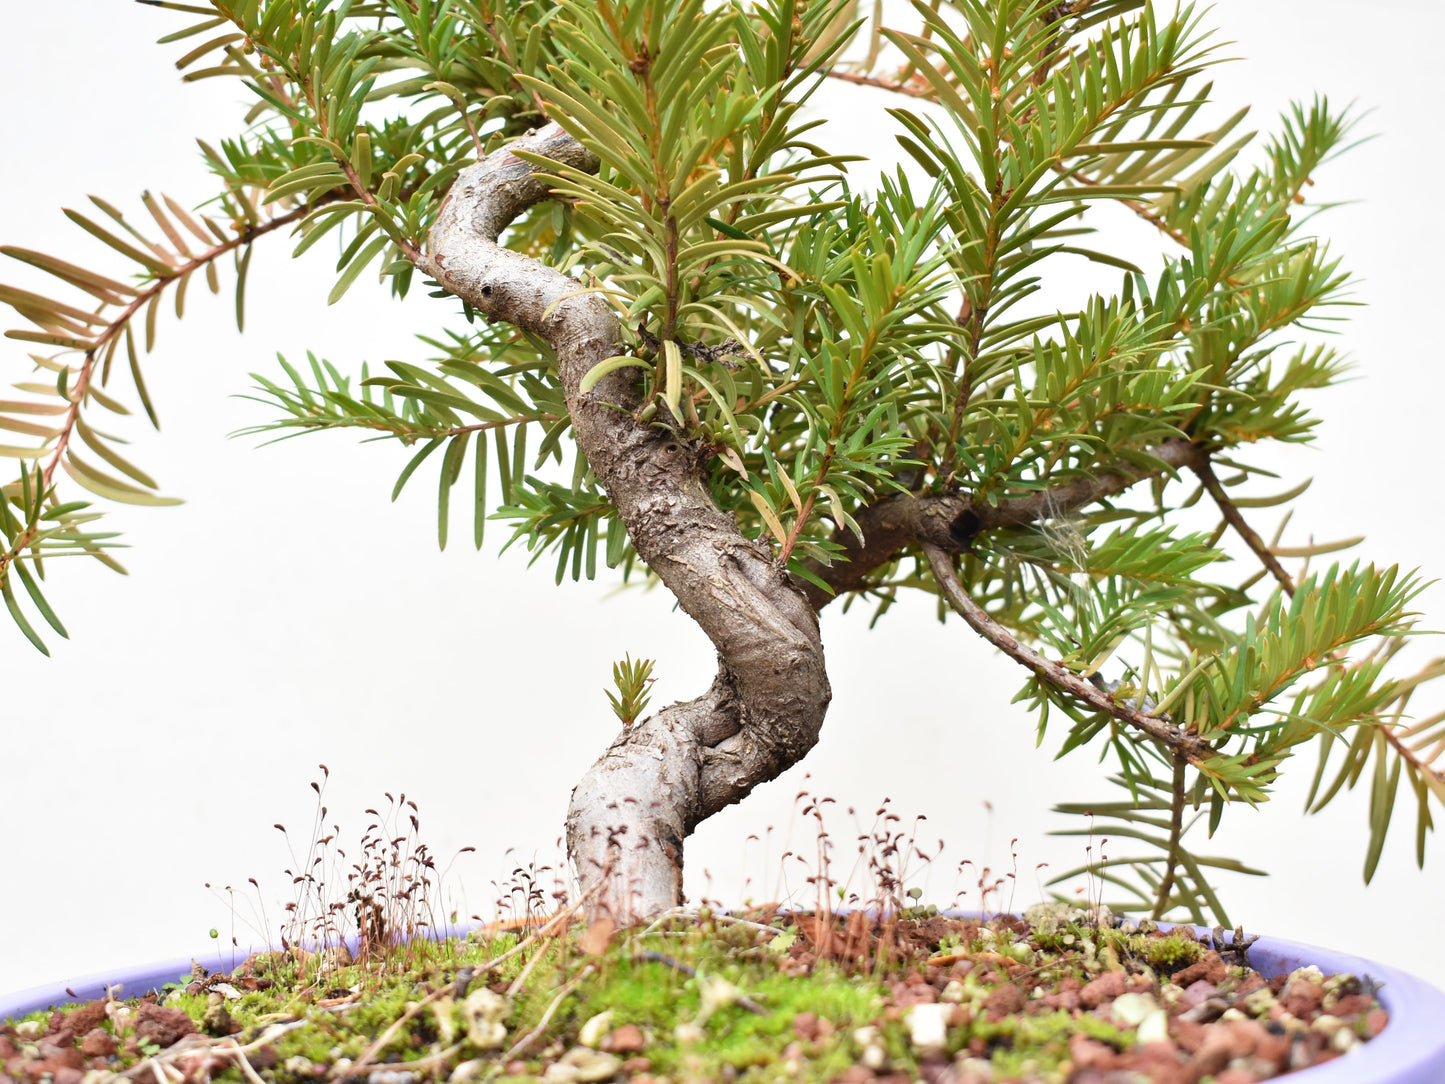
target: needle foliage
<point>825,337</point>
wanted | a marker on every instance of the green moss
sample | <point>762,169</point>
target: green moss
<point>1171,952</point>
<point>1042,1039</point>
<point>656,981</point>
<point>658,997</point>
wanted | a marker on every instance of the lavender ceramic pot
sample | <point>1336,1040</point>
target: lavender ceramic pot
<point>1411,1050</point>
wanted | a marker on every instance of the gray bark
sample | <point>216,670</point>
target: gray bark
<point>664,775</point>
<point>950,521</point>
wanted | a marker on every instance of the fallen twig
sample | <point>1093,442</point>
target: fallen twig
<point>531,1036</point>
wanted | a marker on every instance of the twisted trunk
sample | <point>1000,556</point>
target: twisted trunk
<point>666,774</point>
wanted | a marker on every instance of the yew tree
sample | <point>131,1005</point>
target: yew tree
<point>682,333</point>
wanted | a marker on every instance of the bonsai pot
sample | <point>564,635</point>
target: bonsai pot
<point>1411,1049</point>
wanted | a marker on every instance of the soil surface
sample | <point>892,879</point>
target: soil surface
<point>1059,999</point>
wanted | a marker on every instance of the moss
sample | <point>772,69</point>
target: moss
<point>656,982</point>
<point>1041,1039</point>
<point>656,996</point>
<point>1171,952</point>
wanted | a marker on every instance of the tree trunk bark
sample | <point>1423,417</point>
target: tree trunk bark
<point>666,774</point>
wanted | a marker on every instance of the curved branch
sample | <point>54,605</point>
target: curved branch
<point>1167,733</point>
<point>950,521</point>
<point>664,775</point>
<point>1205,470</point>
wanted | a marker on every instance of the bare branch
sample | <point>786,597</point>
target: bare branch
<point>1143,210</point>
<point>1175,737</point>
<point>912,90</point>
<point>1084,490</point>
<point>950,521</point>
<point>1176,832</point>
<point>1205,471</point>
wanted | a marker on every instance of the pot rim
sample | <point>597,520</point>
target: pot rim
<point>1411,1049</point>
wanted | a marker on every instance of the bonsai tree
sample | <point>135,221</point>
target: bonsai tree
<point>679,338</point>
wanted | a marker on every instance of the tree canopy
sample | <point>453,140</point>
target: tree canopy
<point>706,333</point>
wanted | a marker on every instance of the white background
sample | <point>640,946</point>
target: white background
<point>288,615</point>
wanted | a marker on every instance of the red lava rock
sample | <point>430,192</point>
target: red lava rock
<point>1235,1076</point>
<point>263,1057</point>
<point>637,1065</point>
<point>1302,997</point>
<point>1274,1047</point>
<point>920,993</point>
<point>1199,991</point>
<point>81,1020</point>
<point>1225,1041</point>
<point>933,1068</point>
<point>98,1043</point>
<point>627,1039</point>
<point>516,1067</point>
<point>1088,1053</point>
<point>7,1048</point>
<point>1211,967</point>
<point>61,1055</point>
<point>805,1026</point>
<point>1159,1063</point>
<point>1352,1005</point>
<point>855,1074</point>
<point>1250,984</point>
<point>1065,999</point>
<point>50,1066</point>
<point>1105,988</point>
<point>161,1025</point>
<point>66,1075</point>
<point>1065,996</point>
<point>1375,1021</point>
<point>1005,1001</point>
